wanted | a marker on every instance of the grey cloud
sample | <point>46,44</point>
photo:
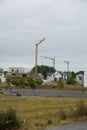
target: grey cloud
<point>62,22</point>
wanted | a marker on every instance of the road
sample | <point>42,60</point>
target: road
<point>75,126</point>
<point>47,93</point>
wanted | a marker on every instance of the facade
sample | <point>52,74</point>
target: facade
<point>57,76</point>
<point>85,79</point>
<point>80,78</point>
<point>18,70</point>
<point>2,76</point>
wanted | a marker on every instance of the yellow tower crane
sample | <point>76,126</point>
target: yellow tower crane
<point>53,59</point>
<point>36,55</point>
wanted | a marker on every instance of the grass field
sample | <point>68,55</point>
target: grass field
<point>4,96</point>
<point>36,111</point>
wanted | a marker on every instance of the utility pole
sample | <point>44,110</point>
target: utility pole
<point>36,55</point>
<point>53,59</point>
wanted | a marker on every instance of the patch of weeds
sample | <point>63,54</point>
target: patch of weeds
<point>80,110</point>
<point>49,121</point>
<point>8,120</point>
<point>62,115</point>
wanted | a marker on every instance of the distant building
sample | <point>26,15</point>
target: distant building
<point>57,76</point>
<point>80,77</point>
<point>85,79</point>
<point>18,71</point>
<point>2,76</point>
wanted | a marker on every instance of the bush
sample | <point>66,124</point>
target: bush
<point>38,81</point>
<point>49,121</point>
<point>71,80</point>
<point>62,114</point>
<point>31,82</point>
<point>61,83</point>
<point>8,120</point>
<point>80,109</point>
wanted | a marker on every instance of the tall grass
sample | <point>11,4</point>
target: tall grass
<point>8,120</point>
<point>42,111</point>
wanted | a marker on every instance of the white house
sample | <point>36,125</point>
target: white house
<point>80,78</point>
<point>18,70</point>
<point>85,78</point>
<point>2,75</point>
<point>56,76</point>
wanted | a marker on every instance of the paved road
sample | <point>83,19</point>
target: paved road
<point>47,93</point>
<point>76,126</point>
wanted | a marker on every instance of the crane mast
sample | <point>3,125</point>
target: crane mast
<point>67,62</point>
<point>53,59</point>
<point>36,55</point>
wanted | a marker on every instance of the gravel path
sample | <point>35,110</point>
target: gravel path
<point>76,126</point>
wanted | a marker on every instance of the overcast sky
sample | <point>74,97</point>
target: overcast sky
<point>25,22</point>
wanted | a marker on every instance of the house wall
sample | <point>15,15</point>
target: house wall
<point>17,70</point>
<point>79,78</point>
<point>85,79</point>
<point>2,77</point>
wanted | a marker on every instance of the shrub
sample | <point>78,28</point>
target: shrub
<point>61,83</point>
<point>49,121</point>
<point>31,82</point>
<point>62,114</point>
<point>38,81</point>
<point>71,80</point>
<point>80,109</point>
<point>8,120</point>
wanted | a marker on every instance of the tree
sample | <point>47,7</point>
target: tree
<point>38,81</point>
<point>73,74</point>
<point>14,81</point>
<point>80,72</point>
<point>0,80</point>
<point>22,81</point>
<point>8,80</point>
<point>44,70</point>
<point>31,82</point>
<point>71,80</point>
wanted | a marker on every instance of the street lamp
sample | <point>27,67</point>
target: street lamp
<point>36,55</point>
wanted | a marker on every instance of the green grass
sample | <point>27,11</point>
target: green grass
<point>39,109</point>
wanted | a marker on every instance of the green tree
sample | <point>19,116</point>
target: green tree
<point>73,74</point>
<point>14,81</point>
<point>22,81</point>
<point>31,82</point>
<point>8,80</point>
<point>0,80</point>
<point>44,70</point>
<point>38,81</point>
<point>71,80</point>
<point>80,72</point>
